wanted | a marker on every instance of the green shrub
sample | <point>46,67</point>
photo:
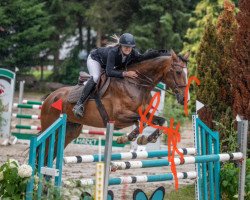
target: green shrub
<point>13,180</point>
<point>228,135</point>
<point>229,181</point>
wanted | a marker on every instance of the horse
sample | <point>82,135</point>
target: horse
<point>122,99</point>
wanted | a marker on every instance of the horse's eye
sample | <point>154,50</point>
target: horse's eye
<point>178,72</point>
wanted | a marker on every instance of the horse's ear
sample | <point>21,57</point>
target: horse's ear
<point>173,54</point>
<point>186,56</point>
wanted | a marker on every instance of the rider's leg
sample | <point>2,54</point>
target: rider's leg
<point>95,71</point>
<point>94,68</point>
<point>78,109</point>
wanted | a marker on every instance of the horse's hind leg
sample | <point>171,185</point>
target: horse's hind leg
<point>130,137</point>
<point>152,138</point>
<point>129,117</point>
<point>73,131</point>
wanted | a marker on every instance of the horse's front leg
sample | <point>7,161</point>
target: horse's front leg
<point>152,138</point>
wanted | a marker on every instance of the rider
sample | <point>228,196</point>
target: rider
<point>114,60</point>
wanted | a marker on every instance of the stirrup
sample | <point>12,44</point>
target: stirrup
<point>78,110</point>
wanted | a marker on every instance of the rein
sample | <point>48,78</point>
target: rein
<point>147,79</point>
<point>143,78</point>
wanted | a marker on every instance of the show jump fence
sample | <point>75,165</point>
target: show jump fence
<point>207,161</point>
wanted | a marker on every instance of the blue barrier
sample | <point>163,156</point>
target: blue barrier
<point>207,142</point>
<point>37,153</point>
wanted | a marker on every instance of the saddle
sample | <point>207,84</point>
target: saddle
<point>101,87</point>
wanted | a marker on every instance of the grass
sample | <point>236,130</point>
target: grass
<point>46,74</point>
<point>184,193</point>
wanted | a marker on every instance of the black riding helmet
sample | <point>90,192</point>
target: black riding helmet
<point>127,39</point>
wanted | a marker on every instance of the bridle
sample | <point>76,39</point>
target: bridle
<point>175,90</point>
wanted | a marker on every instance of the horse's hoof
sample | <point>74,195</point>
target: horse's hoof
<point>143,140</point>
<point>131,138</point>
<point>153,141</point>
<point>122,140</point>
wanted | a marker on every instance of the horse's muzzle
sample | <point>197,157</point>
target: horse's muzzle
<point>180,98</point>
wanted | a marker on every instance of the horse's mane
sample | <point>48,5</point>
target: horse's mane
<point>151,53</point>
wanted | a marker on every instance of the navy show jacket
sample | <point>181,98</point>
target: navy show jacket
<point>110,59</point>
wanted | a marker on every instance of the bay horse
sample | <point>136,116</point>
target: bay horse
<point>122,99</point>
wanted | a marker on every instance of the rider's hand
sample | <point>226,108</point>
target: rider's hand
<point>130,74</point>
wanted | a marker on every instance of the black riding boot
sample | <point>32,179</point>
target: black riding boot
<point>78,109</point>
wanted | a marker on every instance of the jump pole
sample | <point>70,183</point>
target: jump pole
<point>143,178</point>
<point>126,155</point>
<point>177,161</point>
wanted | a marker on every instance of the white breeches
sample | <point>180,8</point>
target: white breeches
<point>94,68</point>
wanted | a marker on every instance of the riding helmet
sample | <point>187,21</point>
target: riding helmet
<point>127,39</point>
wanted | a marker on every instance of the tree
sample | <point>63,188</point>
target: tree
<point>205,10</point>
<point>240,78</point>
<point>214,59</point>
<point>109,17</point>
<point>25,33</point>
<point>161,24</point>
<point>226,29</point>
<point>79,29</point>
<point>60,19</point>
<point>208,73</point>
